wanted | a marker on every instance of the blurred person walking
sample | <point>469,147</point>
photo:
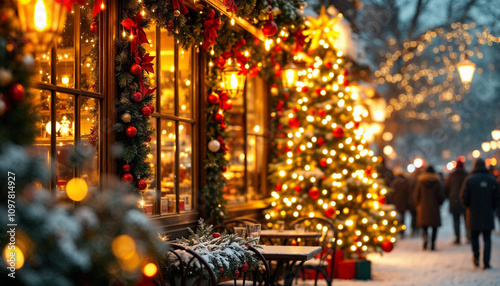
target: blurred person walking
<point>401,195</point>
<point>480,196</point>
<point>452,188</point>
<point>429,195</point>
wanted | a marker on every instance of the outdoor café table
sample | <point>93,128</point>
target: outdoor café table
<point>293,257</point>
<point>285,235</point>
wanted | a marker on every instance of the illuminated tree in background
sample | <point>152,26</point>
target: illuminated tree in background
<point>323,166</point>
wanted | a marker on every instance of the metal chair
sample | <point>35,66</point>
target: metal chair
<point>328,241</point>
<point>259,276</point>
<point>184,267</point>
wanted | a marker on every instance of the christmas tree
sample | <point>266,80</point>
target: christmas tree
<point>322,165</point>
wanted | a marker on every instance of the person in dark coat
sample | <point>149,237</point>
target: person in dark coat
<point>412,182</point>
<point>429,195</point>
<point>401,196</point>
<point>480,196</point>
<point>452,189</point>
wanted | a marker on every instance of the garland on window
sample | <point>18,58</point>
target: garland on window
<point>207,30</point>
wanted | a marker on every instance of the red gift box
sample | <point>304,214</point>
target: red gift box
<point>339,257</point>
<point>346,269</point>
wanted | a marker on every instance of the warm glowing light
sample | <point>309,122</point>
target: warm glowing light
<point>40,16</point>
<point>486,146</point>
<point>13,256</point>
<point>65,80</point>
<point>418,162</point>
<point>289,75</point>
<point>233,79</point>
<point>123,247</point>
<point>466,70</point>
<point>495,134</point>
<point>388,150</point>
<point>476,153</point>
<point>150,269</point>
<point>48,127</point>
<point>77,189</point>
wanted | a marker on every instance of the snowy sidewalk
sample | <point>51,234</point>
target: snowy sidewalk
<point>450,264</point>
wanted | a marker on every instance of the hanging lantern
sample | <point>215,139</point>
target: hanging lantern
<point>466,70</point>
<point>495,134</point>
<point>233,78</point>
<point>377,107</point>
<point>41,21</point>
<point>289,75</point>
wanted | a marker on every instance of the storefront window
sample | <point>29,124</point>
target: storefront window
<point>68,104</point>
<point>247,171</point>
<point>171,188</point>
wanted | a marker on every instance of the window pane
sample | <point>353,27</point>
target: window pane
<point>167,160</point>
<point>65,104</point>
<point>42,66</point>
<point>90,140</point>
<point>89,45</point>
<point>152,160</point>
<point>185,82</point>
<point>256,167</point>
<point>185,166</point>
<point>255,105</point>
<point>236,156</point>
<point>151,49</point>
<point>66,54</point>
<point>167,72</point>
<point>41,146</point>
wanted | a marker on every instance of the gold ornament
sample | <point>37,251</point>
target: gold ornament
<point>126,117</point>
<point>76,189</point>
<point>177,13</point>
<point>322,28</point>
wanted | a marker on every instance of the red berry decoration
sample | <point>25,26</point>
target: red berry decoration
<point>221,270</point>
<point>298,189</point>
<point>215,235</point>
<point>321,141</point>
<point>170,23</point>
<point>94,28</point>
<point>131,131</point>
<point>321,112</point>
<point>338,132</point>
<point>236,273</point>
<point>381,200</point>
<point>219,117</point>
<point>244,267</point>
<point>323,162</point>
<point>136,69</point>
<point>328,65</point>
<point>126,168</point>
<point>346,82</point>
<point>314,193</point>
<point>128,178</point>
<point>329,212</point>
<point>17,92</point>
<point>148,139</point>
<point>223,168</point>
<point>368,171</point>
<point>152,108</point>
<point>141,185</point>
<point>356,124</point>
<point>387,246</point>
<point>213,98</point>
<point>318,90</point>
<point>269,28</point>
<point>137,97</point>
<point>145,111</point>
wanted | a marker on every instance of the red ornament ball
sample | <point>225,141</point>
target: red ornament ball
<point>356,124</point>
<point>269,28</point>
<point>329,212</point>
<point>387,246</point>
<point>236,273</point>
<point>223,126</point>
<point>321,141</point>
<point>338,132</point>
<point>381,200</point>
<point>126,168</point>
<point>137,96</point>
<point>244,267</point>
<point>136,69</point>
<point>128,178</point>
<point>323,162</point>
<point>294,122</point>
<point>313,111</point>
<point>170,23</point>
<point>368,171</point>
<point>277,187</point>
<point>221,270</point>
<point>145,111</point>
<point>314,193</point>
<point>219,117</point>
<point>141,185</point>
<point>148,139</point>
<point>223,168</point>
<point>131,131</point>
<point>321,112</point>
<point>346,82</point>
<point>328,65</point>
<point>318,90</point>
<point>215,235</point>
<point>213,98</point>
<point>227,104</point>
<point>94,28</point>
<point>17,92</point>
<point>151,107</point>
<point>298,189</point>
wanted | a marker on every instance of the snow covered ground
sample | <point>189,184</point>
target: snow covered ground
<point>450,264</point>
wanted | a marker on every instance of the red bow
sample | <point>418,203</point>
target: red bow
<point>212,24</point>
<point>222,143</point>
<point>69,3</point>
<point>146,64</point>
<point>179,5</point>
<point>138,34</point>
<point>97,8</point>
<point>231,6</point>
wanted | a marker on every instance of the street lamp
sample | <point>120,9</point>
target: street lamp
<point>486,146</point>
<point>233,78</point>
<point>466,70</point>
<point>495,134</point>
<point>289,75</point>
<point>41,21</point>
<point>377,109</point>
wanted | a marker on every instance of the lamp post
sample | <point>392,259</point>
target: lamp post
<point>234,79</point>
<point>41,21</point>
<point>466,70</point>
